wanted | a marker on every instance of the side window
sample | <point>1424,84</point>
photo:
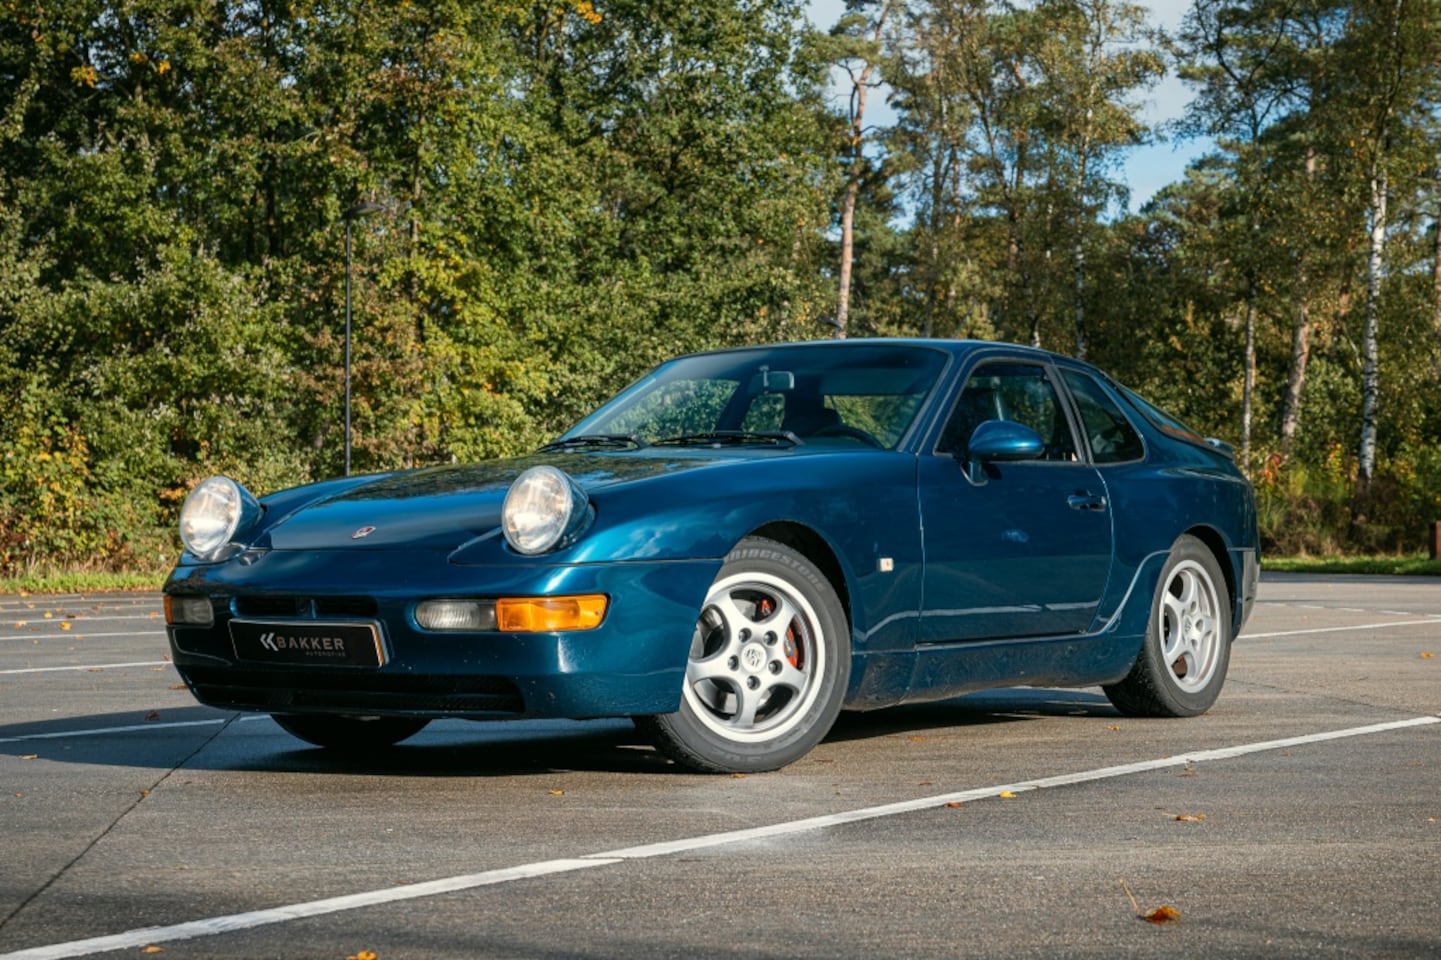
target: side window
<point>1111,437</point>
<point>1018,392</point>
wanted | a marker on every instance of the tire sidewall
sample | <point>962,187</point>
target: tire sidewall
<point>1180,701</point>
<point>755,555</point>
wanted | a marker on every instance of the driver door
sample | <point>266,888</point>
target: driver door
<point>1014,549</point>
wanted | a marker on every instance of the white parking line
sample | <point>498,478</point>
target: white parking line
<point>91,615</point>
<point>77,634</point>
<point>133,728</point>
<point>91,666</point>
<point>1433,621</point>
<point>68,734</point>
<point>147,936</point>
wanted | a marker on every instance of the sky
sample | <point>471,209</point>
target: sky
<point>1145,169</point>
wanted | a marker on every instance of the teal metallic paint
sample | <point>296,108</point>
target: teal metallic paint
<point>915,549</point>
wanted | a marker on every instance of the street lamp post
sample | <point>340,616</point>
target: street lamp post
<point>362,209</point>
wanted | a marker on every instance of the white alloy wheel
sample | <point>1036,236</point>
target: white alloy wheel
<point>1182,664</point>
<point>767,667</point>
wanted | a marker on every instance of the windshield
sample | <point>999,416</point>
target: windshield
<point>821,393</point>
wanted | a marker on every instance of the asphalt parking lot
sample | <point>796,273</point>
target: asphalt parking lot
<point>1301,817</point>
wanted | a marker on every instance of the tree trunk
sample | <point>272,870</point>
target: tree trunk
<point>1370,349</point>
<point>1300,340</point>
<point>1078,260</point>
<point>859,88</point>
<point>1296,381</point>
<point>848,244</point>
<point>1436,296</point>
<point>1248,379</point>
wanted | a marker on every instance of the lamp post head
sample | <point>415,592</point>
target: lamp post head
<point>362,209</point>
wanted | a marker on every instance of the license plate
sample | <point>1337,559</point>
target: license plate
<point>311,643</point>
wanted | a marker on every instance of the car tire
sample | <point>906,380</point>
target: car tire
<point>1187,647</point>
<point>768,666</point>
<point>350,734</point>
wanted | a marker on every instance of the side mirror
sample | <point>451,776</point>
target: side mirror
<point>996,441</point>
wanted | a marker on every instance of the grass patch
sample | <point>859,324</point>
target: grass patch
<point>79,582</point>
<point>1416,565</point>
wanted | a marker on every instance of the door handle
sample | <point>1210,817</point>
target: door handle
<point>1081,500</point>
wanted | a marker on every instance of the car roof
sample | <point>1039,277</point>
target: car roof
<point>955,347</point>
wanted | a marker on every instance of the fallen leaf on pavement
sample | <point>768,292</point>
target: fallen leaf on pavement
<point>1162,914</point>
<point>954,805</point>
<point>1190,817</point>
<point>364,955</point>
<point>31,756</point>
<point>1007,795</point>
<point>557,793</point>
<point>1427,656</point>
<point>153,949</point>
<point>153,715</point>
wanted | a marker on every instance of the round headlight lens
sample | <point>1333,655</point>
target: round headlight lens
<point>541,508</point>
<point>212,514</point>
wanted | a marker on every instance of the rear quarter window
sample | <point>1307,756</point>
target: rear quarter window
<point>1109,434</point>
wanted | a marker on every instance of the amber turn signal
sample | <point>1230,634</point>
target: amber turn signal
<point>550,614</point>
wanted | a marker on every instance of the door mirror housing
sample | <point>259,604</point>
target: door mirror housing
<point>998,441</point>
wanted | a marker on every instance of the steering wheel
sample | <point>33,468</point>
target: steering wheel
<point>849,432</point>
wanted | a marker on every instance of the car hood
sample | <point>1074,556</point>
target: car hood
<point>444,507</point>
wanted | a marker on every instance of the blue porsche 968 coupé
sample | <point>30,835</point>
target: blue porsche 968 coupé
<point>734,549</point>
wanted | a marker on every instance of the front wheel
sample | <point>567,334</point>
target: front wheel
<point>1183,659</point>
<point>769,661</point>
<point>350,734</point>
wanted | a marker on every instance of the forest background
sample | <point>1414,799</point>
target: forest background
<point>570,192</point>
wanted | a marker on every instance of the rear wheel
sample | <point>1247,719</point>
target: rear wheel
<point>1183,660</point>
<point>351,734</point>
<point>769,661</point>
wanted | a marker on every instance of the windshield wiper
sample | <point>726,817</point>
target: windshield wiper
<point>607,440</point>
<point>720,438</point>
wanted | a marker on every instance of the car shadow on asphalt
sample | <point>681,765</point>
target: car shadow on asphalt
<point>203,738</point>
<point>1008,705</point>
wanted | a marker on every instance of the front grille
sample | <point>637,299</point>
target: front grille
<point>306,608</point>
<point>281,690</point>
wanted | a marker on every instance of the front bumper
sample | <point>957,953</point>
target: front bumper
<point>632,664</point>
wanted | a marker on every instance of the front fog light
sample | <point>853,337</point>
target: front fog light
<point>191,611</point>
<point>543,509</point>
<point>455,615</point>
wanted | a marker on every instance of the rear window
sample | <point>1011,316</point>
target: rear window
<point>1161,419</point>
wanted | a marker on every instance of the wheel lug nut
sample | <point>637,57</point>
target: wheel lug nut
<point>734,663</point>
<point>770,638</point>
<point>754,683</point>
<point>776,667</point>
<point>745,634</point>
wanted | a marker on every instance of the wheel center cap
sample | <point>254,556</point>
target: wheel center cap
<point>753,657</point>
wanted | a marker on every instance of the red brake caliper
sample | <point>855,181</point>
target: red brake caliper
<point>763,610</point>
